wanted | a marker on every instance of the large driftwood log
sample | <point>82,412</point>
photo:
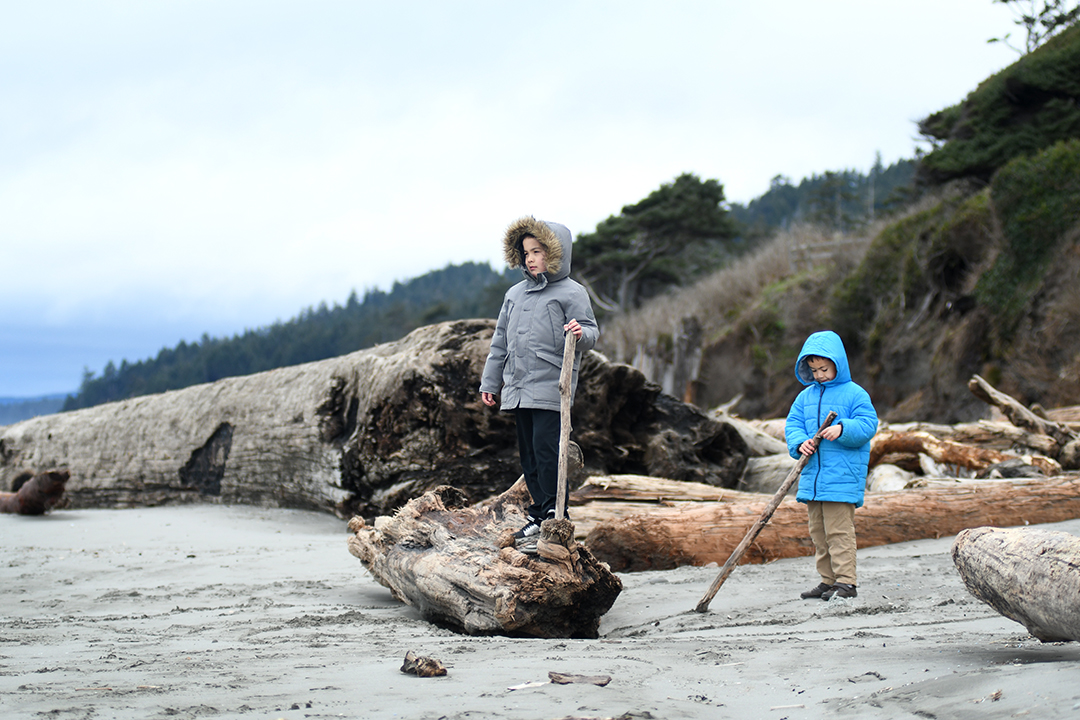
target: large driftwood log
<point>444,558</point>
<point>698,533</point>
<point>358,434</point>
<point>1028,575</point>
<point>35,494</point>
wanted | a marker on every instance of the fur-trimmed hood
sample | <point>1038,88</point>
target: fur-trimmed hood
<point>555,238</point>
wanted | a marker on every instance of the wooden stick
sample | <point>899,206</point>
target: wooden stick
<point>757,527</point>
<point>564,425</point>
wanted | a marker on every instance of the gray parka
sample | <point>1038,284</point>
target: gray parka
<point>525,359</point>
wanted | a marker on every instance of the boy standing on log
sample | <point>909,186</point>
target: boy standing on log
<point>834,481</point>
<point>525,359</point>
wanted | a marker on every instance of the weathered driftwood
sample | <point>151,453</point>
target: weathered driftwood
<point>1067,442</point>
<point>948,452</point>
<point>765,474</point>
<point>358,434</point>
<point>758,442</point>
<point>443,557</point>
<point>1028,575</point>
<point>665,537</point>
<point>422,665</point>
<point>35,494</point>
<point>568,678</point>
<point>995,435</point>
<point>565,377</point>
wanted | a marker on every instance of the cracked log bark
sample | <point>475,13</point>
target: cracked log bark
<point>358,435</point>
<point>444,558</point>
<point>1028,575</point>
<point>695,533</point>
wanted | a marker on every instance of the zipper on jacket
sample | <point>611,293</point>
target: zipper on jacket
<point>817,453</point>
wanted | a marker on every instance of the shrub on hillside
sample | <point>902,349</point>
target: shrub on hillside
<point>1038,200</point>
<point>1028,106</point>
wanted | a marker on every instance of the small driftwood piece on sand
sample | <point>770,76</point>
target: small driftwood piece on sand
<point>36,494</point>
<point>568,678</point>
<point>444,558</point>
<point>1028,575</point>
<point>695,533</point>
<point>422,666</point>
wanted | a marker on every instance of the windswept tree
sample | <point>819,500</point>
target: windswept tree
<point>673,236</point>
<point>1041,19</point>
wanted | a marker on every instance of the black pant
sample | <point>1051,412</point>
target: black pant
<point>538,446</point>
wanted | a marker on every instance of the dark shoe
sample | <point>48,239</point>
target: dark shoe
<point>531,528</point>
<point>840,590</point>
<point>816,592</point>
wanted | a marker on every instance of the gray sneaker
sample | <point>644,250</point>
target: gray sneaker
<point>531,528</point>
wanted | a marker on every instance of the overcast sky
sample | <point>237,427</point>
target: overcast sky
<point>174,168</point>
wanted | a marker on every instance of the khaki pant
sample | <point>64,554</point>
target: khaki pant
<point>832,528</point>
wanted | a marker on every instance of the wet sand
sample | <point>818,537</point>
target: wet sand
<point>234,612</point>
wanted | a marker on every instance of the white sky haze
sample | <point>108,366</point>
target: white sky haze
<point>171,168</point>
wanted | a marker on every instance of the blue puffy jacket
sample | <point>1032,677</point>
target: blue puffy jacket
<point>837,471</point>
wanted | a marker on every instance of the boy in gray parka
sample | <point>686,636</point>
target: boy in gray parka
<point>525,359</point>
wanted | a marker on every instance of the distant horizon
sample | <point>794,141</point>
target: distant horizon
<point>11,400</point>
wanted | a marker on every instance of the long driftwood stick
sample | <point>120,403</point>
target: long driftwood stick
<point>564,425</point>
<point>703,604</point>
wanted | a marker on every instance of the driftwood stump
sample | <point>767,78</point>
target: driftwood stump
<point>443,557</point>
<point>1028,575</point>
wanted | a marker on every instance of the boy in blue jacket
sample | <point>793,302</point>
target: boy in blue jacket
<point>833,482</point>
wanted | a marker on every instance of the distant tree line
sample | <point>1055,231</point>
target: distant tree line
<point>840,200</point>
<point>455,292</point>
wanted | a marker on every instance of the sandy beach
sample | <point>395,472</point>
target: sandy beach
<point>222,612</point>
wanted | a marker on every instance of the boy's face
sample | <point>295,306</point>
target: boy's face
<point>823,369</point>
<point>535,256</point>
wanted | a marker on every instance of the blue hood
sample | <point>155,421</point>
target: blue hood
<point>826,344</point>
